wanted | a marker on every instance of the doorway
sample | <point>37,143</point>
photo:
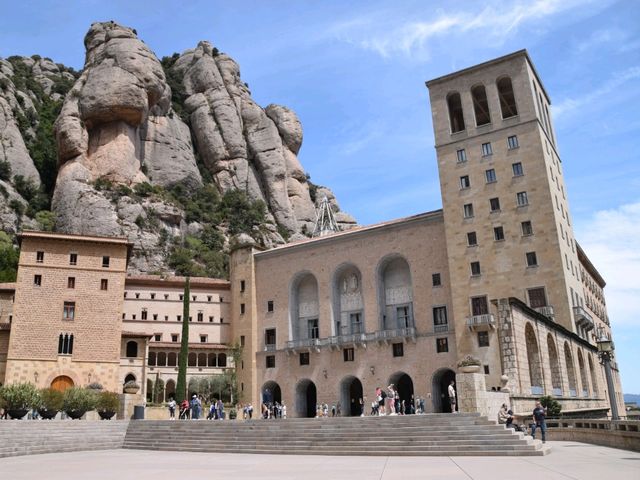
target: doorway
<point>439,385</point>
<point>306,399</point>
<point>350,396</point>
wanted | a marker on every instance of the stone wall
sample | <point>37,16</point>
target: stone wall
<point>474,397</point>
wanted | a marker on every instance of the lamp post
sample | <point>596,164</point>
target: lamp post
<point>605,352</point>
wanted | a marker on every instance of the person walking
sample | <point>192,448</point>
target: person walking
<point>391,400</point>
<point>452,396</point>
<point>172,409</point>
<point>539,421</point>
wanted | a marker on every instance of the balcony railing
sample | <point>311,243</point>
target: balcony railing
<point>270,347</point>
<point>481,320</point>
<point>547,311</point>
<point>583,319</point>
<point>303,343</point>
<point>350,339</point>
<point>444,327</point>
<point>395,333</point>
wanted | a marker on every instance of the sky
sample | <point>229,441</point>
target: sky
<point>354,73</point>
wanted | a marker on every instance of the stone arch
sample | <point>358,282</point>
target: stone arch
<point>594,379</point>
<point>395,292</point>
<point>170,389</point>
<point>222,359</point>
<point>202,359</point>
<point>162,359</point>
<point>61,383</point>
<point>172,359</point>
<point>306,398</point>
<point>480,105</point>
<point>192,360</point>
<point>212,360</point>
<point>132,349</point>
<point>571,372</point>
<point>507,98</point>
<point>404,386</point>
<point>584,380</point>
<point>456,114</point>
<point>129,378</point>
<point>348,304</point>
<point>152,359</point>
<point>439,395</point>
<point>271,393</point>
<point>533,359</point>
<point>351,393</point>
<point>304,307</point>
<point>556,374</point>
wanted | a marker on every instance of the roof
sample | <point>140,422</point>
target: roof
<point>73,237</point>
<point>192,346</point>
<point>495,61</point>
<point>354,232</point>
<point>7,287</point>
<point>176,281</point>
<point>582,256</point>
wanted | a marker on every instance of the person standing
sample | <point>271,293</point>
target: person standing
<point>539,421</point>
<point>172,409</point>
<point>452,396</point>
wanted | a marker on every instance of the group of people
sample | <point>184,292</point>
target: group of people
<point>274,410</point>
<point>506,417</point>
<point>194,409</point>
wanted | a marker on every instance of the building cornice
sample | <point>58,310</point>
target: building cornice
<point>582,256</point>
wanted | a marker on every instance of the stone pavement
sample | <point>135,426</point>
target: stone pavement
<point>568,460</point>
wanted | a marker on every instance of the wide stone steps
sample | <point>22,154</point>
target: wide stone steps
<point>445,434</point>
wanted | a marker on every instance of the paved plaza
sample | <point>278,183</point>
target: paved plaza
<point>568,460</point>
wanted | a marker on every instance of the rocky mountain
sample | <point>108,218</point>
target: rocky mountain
<point>172,153</point>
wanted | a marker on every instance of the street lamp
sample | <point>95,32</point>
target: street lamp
<point>605,352</point>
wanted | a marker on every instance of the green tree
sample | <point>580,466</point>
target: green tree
<point>8,259</point>
<point>181,393</point>
<point>552,405</point>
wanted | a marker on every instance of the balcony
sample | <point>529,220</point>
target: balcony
<point>303,343</point>
<point>442,328</point>
<point>270,347</point>
<point>387,335</point>
<point>481,320</point>
<point>583,319</point>
<point>547,311</point>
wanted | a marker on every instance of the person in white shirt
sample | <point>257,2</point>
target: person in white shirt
<point>452,396</point>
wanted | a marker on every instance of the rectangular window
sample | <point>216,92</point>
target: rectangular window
<point>442,345</point>
<point>37,280</point>
<point>490,175</point>
<point>355,319</point>
<point>512,142</point>
<point>155,316</point>
<point>73,259</point>
<point>242,309</point>
<point>39,257</point>
<point>464,182</point>
<point>181,297</point>
<point>209,297</point>
<point>270,361</point>
<point>517,169</point>
<point>210,319</point>
<point>486,149</point>
<point>537,297</point>
<point>312,328</point>
<point>69,310</point>
<point>532,260</point>
<point>472,239</point>
<point>527,228</point>
<point>483,339</point>
<point>200,316</point>
<point>475,269</point>
<point>104,284</point>
<point>143,315</point>
<point>398,349</point>
<point>479,305</point>
<point>486,369</point>
<point>270,306</point>
<point>203,339</point>
<point>436,280</point>
<point>65,344</point>
<point>304,358</point>
<point>440,316</point>
<point>462,155</point>
<point>174,337</point>
<point>157,337</point>
<point>71,282</point>
<point>348,354</point>
<point>105,261</point>
<point>242,285</point>
<point>242,340</point>
<point>494,204</point>
<point>468,210</point>
<point>403,315</point>
<point>137,295</point>
<point>521,199</point>
<point>498,234</point>
<point>178,318</point>
<point>270,336</point>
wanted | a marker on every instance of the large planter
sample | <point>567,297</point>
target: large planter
<point>131,389</point>
<point>106,415</point>
<point>470,369</point>
<point>47,414</point>
<point>17,413</point>
<point>75,414</point>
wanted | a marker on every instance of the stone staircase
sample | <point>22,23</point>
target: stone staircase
<point>29,437</point>
<point>411,435</point>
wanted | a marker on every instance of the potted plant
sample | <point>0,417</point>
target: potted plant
<point>49,403</point>
<point>95,386</point>
<point>107,404</point>
<point>18,399</point>
<point>131,387</point>
<point>77,401</point>
<point>469,365</point>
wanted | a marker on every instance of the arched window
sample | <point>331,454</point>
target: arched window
<point>583,375</point>
<point>594,380</point>
<point>456,116</point>
<point>170,389</point>
<point>571,372</point>
<point>130,378</point>
<point>202,359</point>
<point>396,294</point>
<point>480,105</point>
<point>212,360</point>
<point>507,98</point>
<point>152,359</point>
<point>348,305</point>
<point>556,376</point>
<point>132,349</point>
<point>222,360</point>
<point>65,344</point>
<point>305,308</point>
<point>162,359</point>
<point>172,359</point>
<point>533,358</point>
<point>193,360</point>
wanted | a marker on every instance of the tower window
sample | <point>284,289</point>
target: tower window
<point>517,169</point>
<point>490,175</point>
<point>480,105</point>
<point>37,280</point>
<point>475,268</point>
<point>242,309</point>
<point>486,149</point>
<point>398,349</point>
<point>270,306</point>
<point>143,314</point>
<point>498,234</point>
<point>464,182</point>
<point>104,284</point>
<point>348,354</point>
<point>69,310</point>
<point>521,199</point>
<point>456,116</point>
<point>483,339</point>
<point>242,285</point>
<point>468,210</point>
<point>462,155</point>
<point>532,259</point>
<point>494,204</point>
<point>512,142</point>
<point>527,228</point>
<point>71,282</point>
<point>73,259</point>
<point>436,280</point>
<point>65,344</point>
<point>105,261</point>
<point>39,257</point>
<point>472,239</point>
<point>507,98</point>
<point>442,345</point>
<point>304,358</point>
<point>270,361</point>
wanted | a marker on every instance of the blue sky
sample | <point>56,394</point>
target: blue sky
<point>354,72</point>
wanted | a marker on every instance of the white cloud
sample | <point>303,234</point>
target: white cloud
<point>387,36</point>
<point>569,105</point>
<point>610,239</point>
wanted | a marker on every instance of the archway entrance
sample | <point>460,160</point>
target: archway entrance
<point>404,386</point>
<point>306,398</point>
<point>271,393</point>
<point>61,383</point>
<point>440,397</point>
<point>350,396</point>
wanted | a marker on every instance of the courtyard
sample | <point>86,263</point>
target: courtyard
<point>568,460</point>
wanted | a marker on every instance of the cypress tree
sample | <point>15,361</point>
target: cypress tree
<point>181,387</point>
